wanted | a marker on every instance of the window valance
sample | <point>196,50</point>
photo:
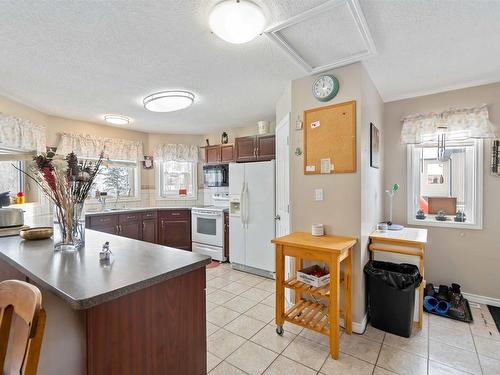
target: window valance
<point>21,135</point>
<point>176,152</point>
<point>455,123</point>
<point>88,146</point>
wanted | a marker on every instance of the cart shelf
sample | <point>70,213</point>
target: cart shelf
<point>311,315</point>
<point>322,291</point>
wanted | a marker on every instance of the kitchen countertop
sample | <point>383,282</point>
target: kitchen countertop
<point>134,209</point>
<point>83,281</point>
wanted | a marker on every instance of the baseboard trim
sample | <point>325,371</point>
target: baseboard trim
<point>357,327</point>
<point>482,299</point>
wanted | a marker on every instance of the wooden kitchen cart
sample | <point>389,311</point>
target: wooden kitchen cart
<point>406,242</point>
<point>317,309</point>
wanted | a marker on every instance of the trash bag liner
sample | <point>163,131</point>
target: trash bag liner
<point>400,276</point>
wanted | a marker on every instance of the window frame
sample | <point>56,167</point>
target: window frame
<point>137,184</point>
<point>159,166</point>
<point>413,175</point>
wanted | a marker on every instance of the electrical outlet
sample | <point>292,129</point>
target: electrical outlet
<point>319,194</point>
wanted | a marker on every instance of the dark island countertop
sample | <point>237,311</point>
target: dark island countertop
<point>83,281</point>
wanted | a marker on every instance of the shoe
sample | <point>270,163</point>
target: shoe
<point>443,293</point>
<point>429,290</point>
<point>442,307</point>
<point>430,303</point>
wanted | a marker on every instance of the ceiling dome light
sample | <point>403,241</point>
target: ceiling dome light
<point>117,119</point>
<point>168,101</point>
<point>237,21</point>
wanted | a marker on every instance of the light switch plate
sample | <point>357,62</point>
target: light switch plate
<point>319,194</point>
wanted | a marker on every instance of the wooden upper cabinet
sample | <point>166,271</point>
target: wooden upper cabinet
<point>266,147</point>
<point>212,154</point>
<point>226,153</point>
<point>255,148</point>
<point>245,149</point>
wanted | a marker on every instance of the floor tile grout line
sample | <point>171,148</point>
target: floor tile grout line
<point>378,354</point>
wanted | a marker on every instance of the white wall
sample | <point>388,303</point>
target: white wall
<point>372,191</point>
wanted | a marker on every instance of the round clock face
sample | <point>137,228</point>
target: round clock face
<point>325,88</point>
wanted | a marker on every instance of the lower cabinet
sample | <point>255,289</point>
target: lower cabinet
<point>149,230</point>
<point>175,229</point>
<point>168,227</point>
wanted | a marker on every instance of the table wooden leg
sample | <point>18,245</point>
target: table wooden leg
<point>280,289</point>
<point>348,292</point>
<point>334,309</point>
<point>299,264</point>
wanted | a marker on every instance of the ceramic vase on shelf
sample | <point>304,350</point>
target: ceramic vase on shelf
<point>66,182</point>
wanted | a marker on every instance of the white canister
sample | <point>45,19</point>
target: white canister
<point>263,127</point>
<point>317,230</point>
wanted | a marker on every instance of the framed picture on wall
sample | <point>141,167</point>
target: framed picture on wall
<point>374,146</point>
<point>147,163</point>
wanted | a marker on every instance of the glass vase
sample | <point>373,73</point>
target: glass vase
<point>69,228</point>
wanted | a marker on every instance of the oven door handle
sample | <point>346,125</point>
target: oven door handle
<point>207,216</point>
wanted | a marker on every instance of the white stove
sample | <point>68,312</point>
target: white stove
<point>207,227</point>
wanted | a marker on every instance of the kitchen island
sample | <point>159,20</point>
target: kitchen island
<point>143,312</point>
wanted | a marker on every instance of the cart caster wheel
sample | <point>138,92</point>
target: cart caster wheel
<point>280,331</point>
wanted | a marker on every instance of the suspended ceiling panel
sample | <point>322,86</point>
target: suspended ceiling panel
<point>327,36</point>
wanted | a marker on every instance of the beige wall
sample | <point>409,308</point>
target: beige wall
<point>469,257</point>
<point>344,208</point>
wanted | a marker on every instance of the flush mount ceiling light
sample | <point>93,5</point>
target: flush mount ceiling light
<point>117,119</point>
<point>237,21</point>
<point>168,101</point>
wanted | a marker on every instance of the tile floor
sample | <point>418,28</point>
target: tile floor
<point>242,339</point>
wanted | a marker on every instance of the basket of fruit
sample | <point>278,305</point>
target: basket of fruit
<point>315,276</point>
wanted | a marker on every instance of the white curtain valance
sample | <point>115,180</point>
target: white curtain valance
<point>176,152</point>
<point>455,123</point>
<point>21,135</point>
<point>88,146</point>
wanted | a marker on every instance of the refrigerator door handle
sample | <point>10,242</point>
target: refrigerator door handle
<point>242,204</point>
<point>245,198</point>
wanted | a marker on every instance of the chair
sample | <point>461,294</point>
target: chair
<point>22,322</point>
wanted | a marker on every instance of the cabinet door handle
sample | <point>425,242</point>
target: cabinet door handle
<point>143,225</point>
<point>175,213</point>
<point>117,230</point>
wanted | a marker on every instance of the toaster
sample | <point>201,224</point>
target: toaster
<point>11,217</point>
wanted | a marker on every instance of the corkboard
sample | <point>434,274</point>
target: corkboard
<point>330,132</point>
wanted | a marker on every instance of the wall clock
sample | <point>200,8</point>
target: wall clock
<point>325,88</point>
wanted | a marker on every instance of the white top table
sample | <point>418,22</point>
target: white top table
<point>414,235</point>
<point>408,241</point>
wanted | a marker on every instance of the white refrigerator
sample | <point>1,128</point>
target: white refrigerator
<point>252,217</point>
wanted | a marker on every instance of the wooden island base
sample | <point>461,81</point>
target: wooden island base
<point>160,329</point>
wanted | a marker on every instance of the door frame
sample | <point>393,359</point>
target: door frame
<point>285,123</point>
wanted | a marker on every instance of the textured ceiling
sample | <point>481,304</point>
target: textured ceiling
<point>82,59</point>
<point>428,46</point>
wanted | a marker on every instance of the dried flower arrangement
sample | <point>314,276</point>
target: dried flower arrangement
<point>66,182</point>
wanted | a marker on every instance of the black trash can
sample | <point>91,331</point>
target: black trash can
<point>391,295</point>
